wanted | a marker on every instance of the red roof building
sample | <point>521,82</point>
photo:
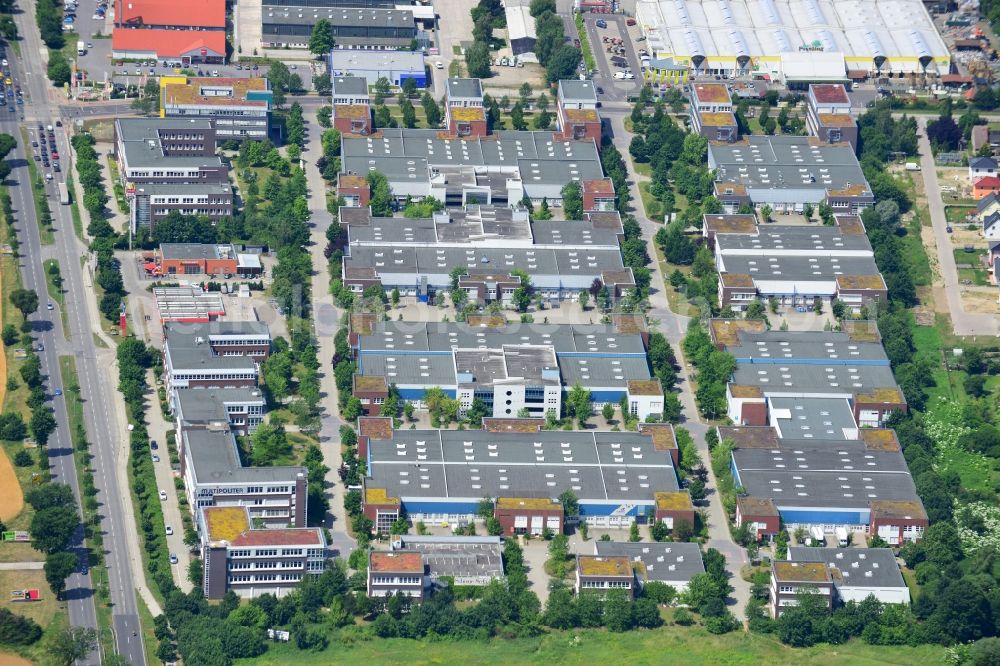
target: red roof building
<point>985,186</point>
<point>190,31</point>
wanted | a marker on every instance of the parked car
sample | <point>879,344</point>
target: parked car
<point>49,306</point>
<point>170,530</point>
<point>58,392</point>
<point>152,444</point>
<point>601,23</point>
<point>173,558</point>
<point>163,495</point>
<point>156,458</point>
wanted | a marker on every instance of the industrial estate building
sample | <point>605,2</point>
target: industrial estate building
<point>184,32</point>
<point>239,409</point>
<point>458,560</point>
<point>240,108</point>
<point>395,66</point>
<point>829,114</point>
<point>467,164</point>
<point>174,259</point>
<point>788,172</point>
<point>252,561</point>
<point>214,355</point>
<point>440,476</point>
<point>561,258</point>
<point>795,41</point>
<point>838,575</point>
<point>509,367</point>
<point>794,264</point>
<point>673,563</point>
<point>355,24</point>
<point>712,112</point>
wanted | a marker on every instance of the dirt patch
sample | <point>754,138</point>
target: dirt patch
<point>7,659</point>
<point>981,302</point>
<point>11,498</point>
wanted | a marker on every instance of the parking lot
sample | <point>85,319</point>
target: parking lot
<point>627,54</point>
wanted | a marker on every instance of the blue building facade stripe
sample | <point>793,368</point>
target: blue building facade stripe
<point>811,361</point>
<point>820,517</point>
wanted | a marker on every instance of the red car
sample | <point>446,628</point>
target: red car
<point>55,155</point>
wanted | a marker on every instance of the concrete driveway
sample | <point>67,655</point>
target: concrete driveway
<point>614,89</point>
<point>964,323</point>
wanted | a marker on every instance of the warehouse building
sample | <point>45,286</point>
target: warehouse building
<point>561,258</point>
<point>795,41</point>
<point>788,172</point>
<point>251,561</point>
<point>240,108</point>
<point>847,371</point>
<point>817,479</point>
<point>521,30</point>
<point>185,32</point>
<point>396,66</point>
<point>509,367</point>
<point>214,476</point>
<point>440,476</point>
<point>856,574</point>
<point>500,169</point>
<point>356,24</point>
<point>674,563</point>
<point>797,264</point>
<point>467,561</point>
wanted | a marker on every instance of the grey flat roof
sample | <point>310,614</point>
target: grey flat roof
<point>479,225</point>
<point>188,345</point>
<point>337,16</point>
<point>349,85</point>
<point>814,347</point>
<point>812,418</point>
<point>409,369</point>
<point>824,473</point>
<point>598,371</point>
<point>464,88</point>
<point>201,405</point>
<point>140,140</point>
<point>182,189</point>
<point>471,464</point>
<point>197,251</point>
<point>858,567</point>
<point>814,379</point>
<point>799,269</point>
<point>571,90</point>
<point>786,162</point>
<point>461,557</point>
<point>813,238</point>
<point>443,336</point>
<point>676,561</point>
<point>356,60</point>
<point>538,155</point>
<point>139,129</point>
<point>214,459</point>
<point>410,262</point>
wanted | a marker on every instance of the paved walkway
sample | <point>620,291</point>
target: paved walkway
<point>964,323</point>
<point>326,320</point>
<point>674,327</point>
<point>22,566</point>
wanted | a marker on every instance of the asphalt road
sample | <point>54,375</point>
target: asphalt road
<point>964,323</point>
<point>93,367</point>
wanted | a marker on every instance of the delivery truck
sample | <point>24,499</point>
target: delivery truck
<point>81,48</point>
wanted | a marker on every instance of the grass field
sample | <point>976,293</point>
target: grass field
<point>47,612</point>
<point>653,208</point>
<point>74,209</point>
<point>669,645</point>
<point>914,252</point>
<point>56,294</point>
<point>955,215</point>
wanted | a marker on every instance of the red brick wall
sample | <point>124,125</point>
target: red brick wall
<point>676,515</point>
<point>506,517</point>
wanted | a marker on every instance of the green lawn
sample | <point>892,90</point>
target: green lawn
<point>74,209</point>
<point>956,215</point>
<point>56,294</point>
<point>669,645</point>
<point>914,252</point>
<point>653,208</point>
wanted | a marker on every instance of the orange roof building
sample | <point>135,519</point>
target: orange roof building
<point>172,14</point>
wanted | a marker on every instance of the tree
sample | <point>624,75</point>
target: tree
<point>270,443</point>
<point>321,40</point>
<point>25,300</point>
<point>524,93</point>
<point>563,63</point>
<point>944,133</point>
<point>477,60</point>
<point>72,643</point>
<point>59,71</point>
<point>578,404</point>
<point>618,611</point>
<point>431,110</point>
<point>608,411</point>
<point>58,567</point>
<point>539,7</point>
<point>572,196</point>
<point>53,527</point>
<point>517,117</point>
<point>17,630</point>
